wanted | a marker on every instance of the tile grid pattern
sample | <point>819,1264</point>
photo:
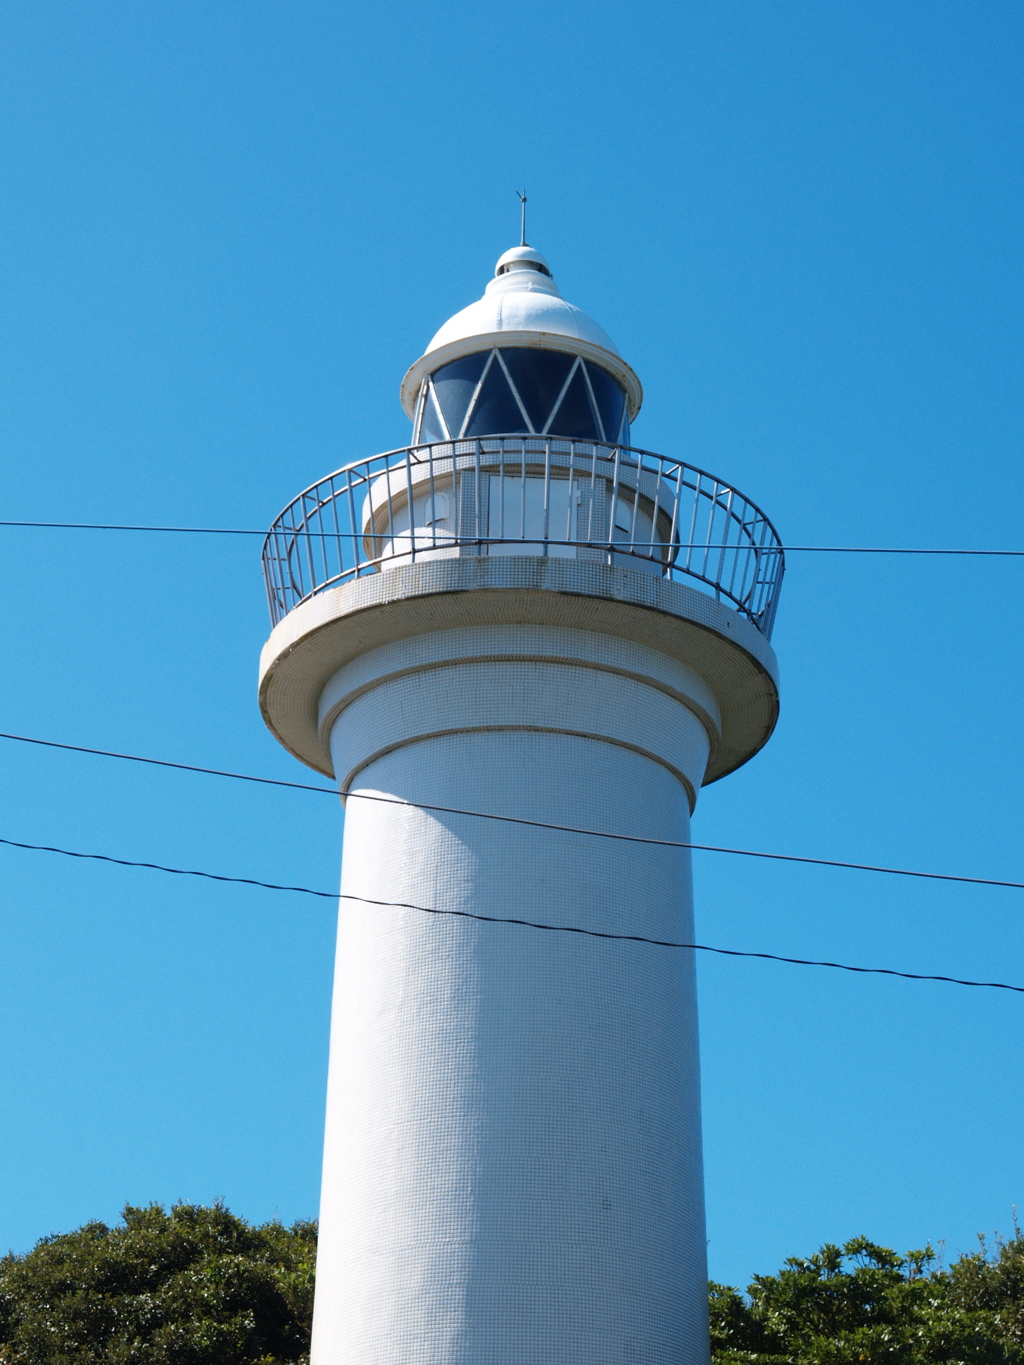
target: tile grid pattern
<point>512,1170</point>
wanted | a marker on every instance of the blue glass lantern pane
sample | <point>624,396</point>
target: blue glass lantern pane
<point>495,410</point>
<point>454,385</point>
<point>538,377</point>
<point>611,401</point>
<point>430,426</point>
<point>575,416</point>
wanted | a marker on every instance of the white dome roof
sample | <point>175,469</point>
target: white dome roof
<point>521,306</point>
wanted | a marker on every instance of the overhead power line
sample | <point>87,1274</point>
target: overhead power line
<point>166,763</point>
<point>697,947</point>
<point>107,526</point>
<point>159,867</point>
<point>703,848</point>
<point>358,535</point>
<point>502,919</point>
<point>522,820</point>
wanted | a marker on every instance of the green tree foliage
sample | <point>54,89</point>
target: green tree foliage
<point>863,1303</point>
<point>198,1286</point>
<point>195,1286</point>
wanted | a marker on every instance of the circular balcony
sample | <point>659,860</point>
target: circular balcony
<point>526,495</point>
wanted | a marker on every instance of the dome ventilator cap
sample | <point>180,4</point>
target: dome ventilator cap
<point>522,307</point>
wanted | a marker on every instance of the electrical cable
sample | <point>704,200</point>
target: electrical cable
<point>358,535</point>
<point>534,824</point>
<point>698,947</point>
<point>159,867</point>
<point>101,526</point>
<point>166,763</point>
<point>500,919</point>
<point>703,848</point>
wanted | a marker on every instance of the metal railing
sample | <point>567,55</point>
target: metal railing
<point>500,495</point>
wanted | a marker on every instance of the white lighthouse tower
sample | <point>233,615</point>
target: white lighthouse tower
<point>523,616</point>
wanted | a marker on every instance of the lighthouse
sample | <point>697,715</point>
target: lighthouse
<point>520,646</point>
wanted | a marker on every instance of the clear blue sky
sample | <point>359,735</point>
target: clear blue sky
<point>226,231</point>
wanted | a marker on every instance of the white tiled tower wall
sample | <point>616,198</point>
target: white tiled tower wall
<point>512,1164</point>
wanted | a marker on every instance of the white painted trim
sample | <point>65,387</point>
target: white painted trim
<point>328,631</point>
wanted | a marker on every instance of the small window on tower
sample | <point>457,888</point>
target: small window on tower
<point>495,411</point>
<point>430,428</point>
<point>611,402</point>
<point>455,385</point>
<point>575,416</point>
<point>539,377</point>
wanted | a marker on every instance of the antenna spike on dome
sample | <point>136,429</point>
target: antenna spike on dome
<point>522,201</point>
